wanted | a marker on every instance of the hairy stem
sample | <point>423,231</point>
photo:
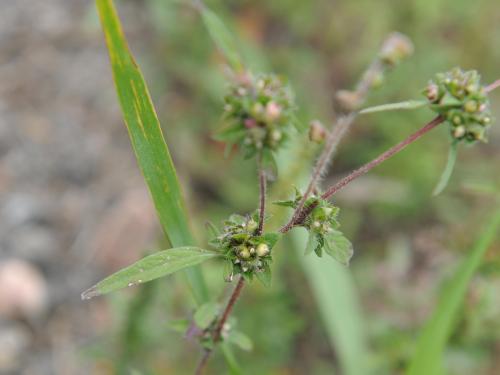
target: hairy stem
<point>332,141</point>
<point>339,129</point>
<point>364,169</point>
<point>383,157</point>
<point>217,334</point>
<point>492,86</point>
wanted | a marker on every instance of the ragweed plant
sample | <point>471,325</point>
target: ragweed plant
<point>258,112</point>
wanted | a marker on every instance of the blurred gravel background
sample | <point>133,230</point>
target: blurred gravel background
<point>69,187</point>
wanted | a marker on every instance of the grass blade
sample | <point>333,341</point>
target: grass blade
<point>222,38</point>
<point>336,297</point>
<point>432,341</point>
<point>147,140</point>
<point>149,268</point>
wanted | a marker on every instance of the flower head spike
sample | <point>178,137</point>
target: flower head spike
<point>258,110</point>
<point>460,98</point>
<point>246,253</point>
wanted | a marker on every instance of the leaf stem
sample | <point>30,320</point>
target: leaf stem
<point>217,334</point>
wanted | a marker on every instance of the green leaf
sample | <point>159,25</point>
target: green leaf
<point>228,270</point>
<point>291,204</point>
<point>428,358</point>
<point>241,340</point>
<point>147,140</point>
<point>265,275</point>
<point>179,325</point>
<point>222,38</point>
<point>338,247</point>
<point>206,314</point>
<point>450,164</point>
<point>271,238</point>
<point>409,104</point>
<point>312,243</point>
<point>150,268</point>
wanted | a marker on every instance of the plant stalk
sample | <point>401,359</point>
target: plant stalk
<point>364,169</point>
<point>217,334</point>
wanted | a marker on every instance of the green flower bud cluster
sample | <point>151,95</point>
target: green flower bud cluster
<point>258,111</point>
<point>460,98</point>
<point>323,227</point>
<point>246,252</point>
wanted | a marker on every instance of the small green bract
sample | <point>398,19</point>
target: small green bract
<point>460,98</point>
<point>246,252</point>
<point>258,111</point>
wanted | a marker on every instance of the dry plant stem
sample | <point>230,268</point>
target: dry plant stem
<point>216,337</point>
<point>262,192</point>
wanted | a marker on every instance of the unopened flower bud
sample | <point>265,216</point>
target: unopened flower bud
<point>244,253</point>
<point>459,131</point>
<point>317,132</point>
<point>457,120</point>
<point>252,250</point>
<point>432,92</point>
<point>262,250</point>
<point>251,225</point>
<point>276,135</point>
<point>273,111</point>
<point>349,100</point>
<point>396,48</point>
<point>470,106</point>
<point>250,123</point>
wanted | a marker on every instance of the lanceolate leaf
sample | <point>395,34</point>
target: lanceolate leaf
<point>431,344</point>
<point>147,140</point>
<point>450,164</point>
<point>206,314</point>
<point>151,267</point>
<point>409,104</point>
<point>222,38</point>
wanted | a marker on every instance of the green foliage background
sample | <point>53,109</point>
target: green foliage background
<point>405,241</point>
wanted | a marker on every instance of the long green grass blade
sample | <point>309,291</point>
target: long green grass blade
<point>428,357</point>
<point>147,140</point>
<point>149,268</point>
<point>336,297</point>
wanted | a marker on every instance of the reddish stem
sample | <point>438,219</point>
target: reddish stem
<point>492,86</point>
<point>216,337</point>
<point>383,157</point>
